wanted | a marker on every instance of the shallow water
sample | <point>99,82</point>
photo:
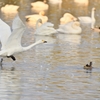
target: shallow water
<point>54,71</point>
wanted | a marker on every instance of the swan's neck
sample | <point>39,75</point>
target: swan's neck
<point>93,19</point>
<point>30,46</point>
<point>92,14</point>
<point>37,24</point>
<point>74,26</point>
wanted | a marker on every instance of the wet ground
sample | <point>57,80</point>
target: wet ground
<point>54,71</point>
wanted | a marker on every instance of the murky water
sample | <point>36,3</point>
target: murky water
<point>54,71</point>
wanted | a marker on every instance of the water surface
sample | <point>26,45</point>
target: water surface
<point>54,71</point>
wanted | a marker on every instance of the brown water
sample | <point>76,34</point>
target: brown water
<point>54,71</point>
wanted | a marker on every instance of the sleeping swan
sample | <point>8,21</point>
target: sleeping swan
<point>70,28</point>
<point>39,6</point>
<point>67,17</point>
<point>87,19</point>
<point>44,29</point>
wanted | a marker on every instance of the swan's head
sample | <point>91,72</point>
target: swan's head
<point>28,19</point>
<point>93,9</point>
<point>42,13</point>
<point>39,20</point>
<point>41,41</point>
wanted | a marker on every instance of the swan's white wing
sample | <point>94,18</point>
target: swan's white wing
<point>17,23</point>
<point>5,32</point>
<point>14,39</point>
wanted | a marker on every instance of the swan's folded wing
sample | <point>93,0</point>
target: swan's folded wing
<point>14,39</point>
<point>5,32</point>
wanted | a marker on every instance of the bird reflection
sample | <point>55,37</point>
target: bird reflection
<point>10,85</point>
<point>72,39</point>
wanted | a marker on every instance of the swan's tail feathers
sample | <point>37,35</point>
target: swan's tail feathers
<point>17,23</point>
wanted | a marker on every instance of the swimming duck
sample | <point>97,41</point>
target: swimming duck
<point>88,66</point>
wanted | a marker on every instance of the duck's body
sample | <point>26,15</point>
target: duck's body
<point>45,29</point>
<point>70,28</point>
<point>97,29</point>
<point>88,66</point>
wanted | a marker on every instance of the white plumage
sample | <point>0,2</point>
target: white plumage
<point>45,28</point>
<point>70,28</point>
<point>89,20</point>
<point>12,43</point>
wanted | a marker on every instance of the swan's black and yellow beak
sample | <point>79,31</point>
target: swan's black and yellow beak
<point>44,41</point>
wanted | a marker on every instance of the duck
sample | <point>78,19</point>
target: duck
<point>67,17</point>
<point>88,66</point>
<point>96,29</point>
<point>45,29</point>
<point>70,28</point>
<point>88,20</point>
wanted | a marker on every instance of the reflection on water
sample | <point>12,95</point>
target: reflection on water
<point>54,71</point>
<point>10,85</point>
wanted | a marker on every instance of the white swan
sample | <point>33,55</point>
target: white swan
<point>12,43</point>
<point>39,6</point>
<point>70,28</point>
<point>9,9</point>
<point>67,17</point>
<point>35,17</point>
<point>87,19</point>
<point>82,2</point>
<point>45,28</point>
<point>32,19</point>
